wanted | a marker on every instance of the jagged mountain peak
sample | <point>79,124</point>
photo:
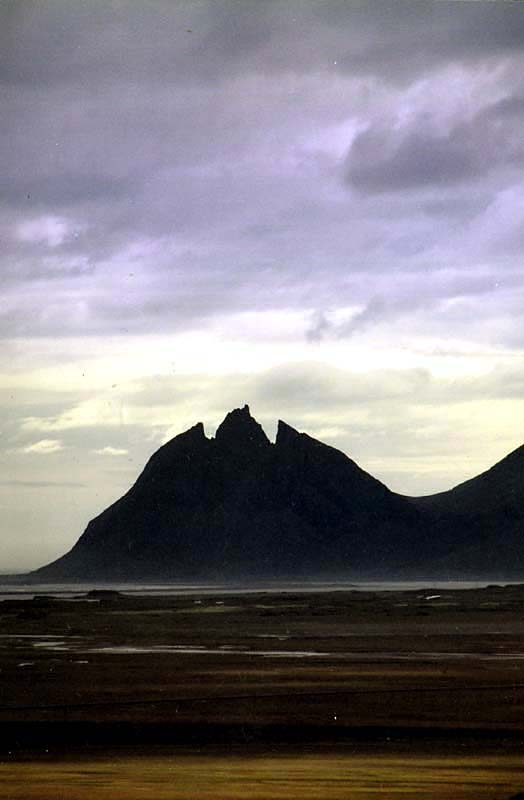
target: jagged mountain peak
<point>240,429</point>
<point>237,506</point>
<point>285,433</point>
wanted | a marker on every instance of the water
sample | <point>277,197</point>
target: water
<point>77,645</point>
<point>71,591</point>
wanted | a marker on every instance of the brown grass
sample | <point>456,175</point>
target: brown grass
<point>287,777</point>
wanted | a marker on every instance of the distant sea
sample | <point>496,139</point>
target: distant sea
<point>22,591</point>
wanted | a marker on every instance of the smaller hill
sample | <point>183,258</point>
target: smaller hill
<point>481,520</point>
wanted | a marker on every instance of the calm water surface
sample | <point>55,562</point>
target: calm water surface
<point>73,590</point>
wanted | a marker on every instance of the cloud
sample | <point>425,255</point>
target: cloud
<point>111,451</point>
<point>382,160</point>
<point>441,303</point>
<point>44,447</point>
<point>209,41</point>
<point>165,179</point>
<point>318,327</point>
<point>417,153</point>
<point>53,231</point>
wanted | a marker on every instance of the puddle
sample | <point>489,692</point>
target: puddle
<point>58,645</point>
<point>37,640</point>
<point>224,650</point>
<point>79,645</point>
<point>217,608</point>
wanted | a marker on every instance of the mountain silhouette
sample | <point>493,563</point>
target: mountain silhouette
<point>237,506</point>
<point>480,523</point>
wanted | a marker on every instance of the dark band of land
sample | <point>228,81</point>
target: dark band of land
<point>413,674</point>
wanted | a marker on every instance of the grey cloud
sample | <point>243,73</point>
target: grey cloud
<point>206,41</point>
<point>301,389</point>
<point>418,155</point>
<point>379,163</point>
<point>296,391</point>
<point>190,41</point>
<point>64,190</point>
<point>34,268</point>
<point>376,310</point>
<point>398,38</point>
<point>221,148</point>
<point>376,416</point>
<point>410,297</point>
<point>319,326</point>
<point>296,388</point>
<point>510,106</point>
<point>92,438</point>
<point>308,388</point>
<point>21,404</point>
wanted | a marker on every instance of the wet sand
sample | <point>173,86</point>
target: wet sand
<point>270,695</point>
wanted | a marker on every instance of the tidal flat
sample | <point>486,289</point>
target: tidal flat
<point>270,694</point>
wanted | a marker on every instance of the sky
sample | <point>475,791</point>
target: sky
<point>316,208</point>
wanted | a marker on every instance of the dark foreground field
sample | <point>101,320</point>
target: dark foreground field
<point>267,695</point>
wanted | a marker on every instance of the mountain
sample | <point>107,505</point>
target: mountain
<point>481,521</point>
<point>237,506</point>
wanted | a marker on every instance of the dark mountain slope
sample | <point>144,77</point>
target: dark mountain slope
<point>239,506</point>
<point>501,486</point>
<point>481,520</point>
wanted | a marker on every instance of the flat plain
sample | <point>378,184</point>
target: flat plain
<point>340,694</point>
